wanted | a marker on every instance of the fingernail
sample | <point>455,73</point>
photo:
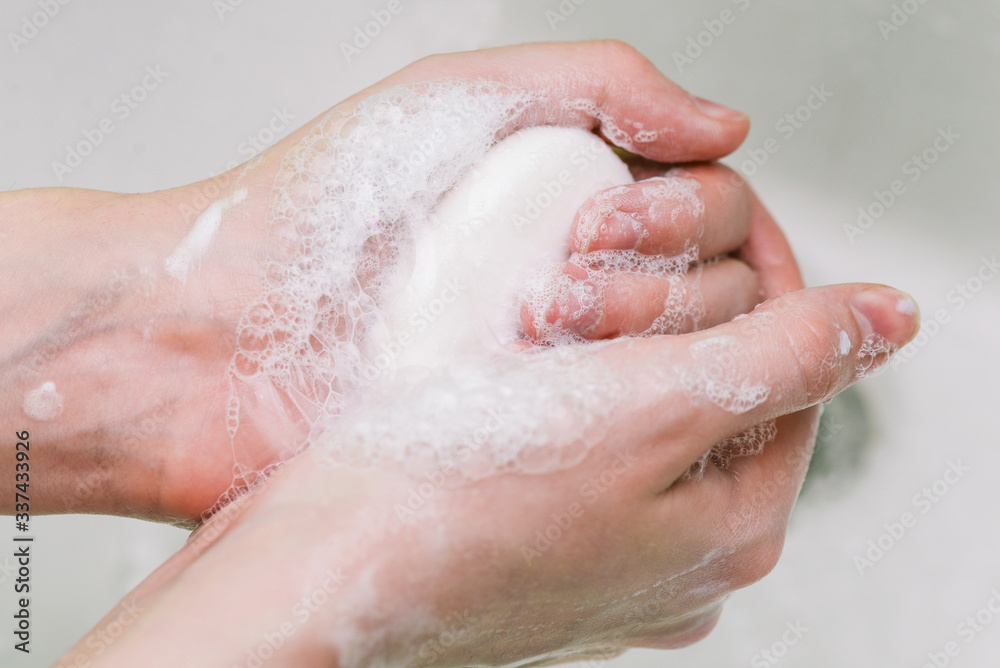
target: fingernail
<point>892,314</point>
<point>618,232</point>
<point>717,111</point>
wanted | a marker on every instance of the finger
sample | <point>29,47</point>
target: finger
<point>747,508</point>
<point>705,205</point>
<point>766,485</point>
<point>598,306</point>
<point>793,352</point>
<point>767,250</point>
<point>606,86</point>
<point>782,463</point>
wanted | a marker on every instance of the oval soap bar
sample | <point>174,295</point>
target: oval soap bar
<point>503,220</point>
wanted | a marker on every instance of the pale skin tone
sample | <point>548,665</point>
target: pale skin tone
<point>647,563</point>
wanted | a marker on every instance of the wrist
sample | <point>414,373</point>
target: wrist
<point>287,568</point>
<point>79,302</point>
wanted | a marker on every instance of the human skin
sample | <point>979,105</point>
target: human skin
<point>142,359</point>
<point>648,563</point>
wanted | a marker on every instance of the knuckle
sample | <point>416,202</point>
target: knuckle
<point>758,558</point>
<point>731,180</point>
<point>623,52</point>
<point>740,191</point>
<point>427,65</point>
<point>734,190</point>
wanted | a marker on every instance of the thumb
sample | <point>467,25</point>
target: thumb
<point>793,352</point>
<point>605,85</point>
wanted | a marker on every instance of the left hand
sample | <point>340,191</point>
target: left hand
<point>140,357</point>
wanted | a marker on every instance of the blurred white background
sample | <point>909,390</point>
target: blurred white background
<point>896,75</point>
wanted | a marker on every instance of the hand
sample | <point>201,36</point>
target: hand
<point>131,312</point>
<point>336,567</point>
<point>646,552</point>
<point>701,214</point>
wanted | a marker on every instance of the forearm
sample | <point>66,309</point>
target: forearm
<point>73,290</point>
<point>280,577</point>
<point>121,317</point>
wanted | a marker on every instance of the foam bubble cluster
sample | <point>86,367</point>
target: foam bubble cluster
<point>346,200</point>
<point>662,198</point>
<point>354,206</point>
<point>747,443</point>
<point>718,375</point>
<point>43,403</point>
<point>382,229</point>
<point>682,308</point>
<point>477,421</point>
<point>873,355</point>
<point>627,138</point>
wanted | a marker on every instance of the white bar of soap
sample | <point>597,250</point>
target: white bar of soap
<point>507,217</point>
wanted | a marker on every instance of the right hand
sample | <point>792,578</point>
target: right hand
<point>620,550</point>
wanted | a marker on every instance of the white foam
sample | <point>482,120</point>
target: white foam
<point>845,343</point>
<point>747,443</point>
<point>661,198</point>
<point>351,202</point>
<point>43,403</point>
<point>906,306</point>
<point>681,309</point>
<point>200,236</point>
<point>401,232</point>
<point>874,355</point>
<point>610,127</point>
<point>719,373</point>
